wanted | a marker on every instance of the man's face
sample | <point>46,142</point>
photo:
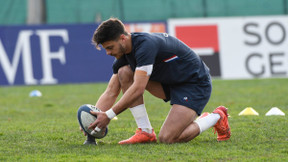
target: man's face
<point>114,48</point>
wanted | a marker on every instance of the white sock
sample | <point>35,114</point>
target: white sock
<point>207,122</point>
<point>141,117</point>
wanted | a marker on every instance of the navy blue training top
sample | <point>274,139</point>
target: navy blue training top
<point>173,61</point>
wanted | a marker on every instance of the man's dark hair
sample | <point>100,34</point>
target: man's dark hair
<point>108,30</point>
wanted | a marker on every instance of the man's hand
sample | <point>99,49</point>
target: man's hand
<point>101,122</point>
<point>82,131</point>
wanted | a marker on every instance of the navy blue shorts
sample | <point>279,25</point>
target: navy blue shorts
<point>194,96</point>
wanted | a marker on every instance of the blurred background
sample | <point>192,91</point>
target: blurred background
<point>49,41</point>
<point>15,12</point>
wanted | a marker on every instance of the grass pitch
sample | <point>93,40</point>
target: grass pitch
<point>46,128</point>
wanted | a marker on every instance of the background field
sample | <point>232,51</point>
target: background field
<point>46,128</point>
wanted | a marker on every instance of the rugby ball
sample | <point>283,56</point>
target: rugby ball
<point>85,118</point>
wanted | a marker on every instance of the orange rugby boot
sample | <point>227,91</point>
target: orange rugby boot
<point>140,137</point>
<point>222,126</point>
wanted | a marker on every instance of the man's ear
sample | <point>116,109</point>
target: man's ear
<point>122,37</point>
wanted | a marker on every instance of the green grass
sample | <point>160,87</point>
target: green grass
<point>46,128</point>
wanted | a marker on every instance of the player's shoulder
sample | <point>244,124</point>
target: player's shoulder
<point>145,38</point>
<point>147,35</point>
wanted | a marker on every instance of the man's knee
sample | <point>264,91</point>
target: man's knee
<point>166,138</point>
<point>125,75</point>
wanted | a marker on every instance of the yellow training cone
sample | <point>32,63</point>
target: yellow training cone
<point>248,111</point>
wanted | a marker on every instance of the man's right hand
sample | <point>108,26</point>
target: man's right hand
<point>82,131</point>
